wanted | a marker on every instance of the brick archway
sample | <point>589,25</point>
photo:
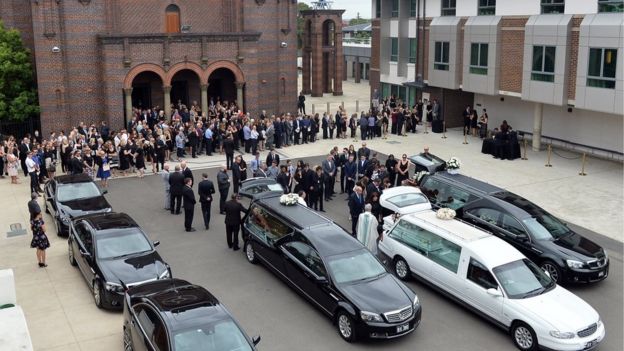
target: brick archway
<point>238,73</point>
<point>144,67</point>
<point>191,66</point>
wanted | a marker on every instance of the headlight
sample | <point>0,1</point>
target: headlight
<point>165,275</point>
<point>598,324</point>
<point>114,287</point>
<point>416,301</point>
<point>370,317</point>
<point>561,335</point>
<point>574,264</point>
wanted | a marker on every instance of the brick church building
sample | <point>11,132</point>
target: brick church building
<point>96,59</point>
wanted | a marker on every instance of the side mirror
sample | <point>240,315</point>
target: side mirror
<point>522,237</point>
<point>256,339</point>
<point>85,254</point>
<point>494,292</point>
<point>105,191</point>
<point>321,280</point>
<point>156,243</point>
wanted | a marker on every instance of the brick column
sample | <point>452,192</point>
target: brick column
<point>306,71</point>
<point>204,98</point>
<point>317,61</point>
<point>239,95</point>
<point>167,92</point>
<point>338,63</point>
<point>128,103</point>
<point>358,70</point>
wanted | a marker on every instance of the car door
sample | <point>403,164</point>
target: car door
<point>407,244</point>
<point>307,272</point>
<point>519,237</point>
<point>148,330</point>
<point>50,192</point>
<point>478,281</point>
<point>266,230</point>
<point>486,218</point>
<point>83,250</point>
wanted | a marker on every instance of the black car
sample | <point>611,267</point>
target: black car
<point>113,253</point>
<point>567,256</point>
<point>173,314</point>
<point>330,268</point>
<point>70,196</point>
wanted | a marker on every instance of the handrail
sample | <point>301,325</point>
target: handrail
<point>573,144</point>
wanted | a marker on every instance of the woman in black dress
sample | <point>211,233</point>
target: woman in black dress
<point>391,163</point>
<point>40,239</point>
<point>402,170</point>
<point>124,157</point>
<point>474,119</point>
<point>139,160</point>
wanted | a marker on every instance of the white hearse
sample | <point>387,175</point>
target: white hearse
<point>402,200</point>
<point>493,279</point>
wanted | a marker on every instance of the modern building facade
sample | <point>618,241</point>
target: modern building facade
<point>357,52</point>
<point>551,67</point>
<point>96,59</point>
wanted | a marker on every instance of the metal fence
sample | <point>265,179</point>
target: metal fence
<point>19,129</point>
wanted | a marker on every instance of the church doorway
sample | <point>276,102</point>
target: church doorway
<point>185,89</point>
<point>147,91</point>
<point>221,86</point>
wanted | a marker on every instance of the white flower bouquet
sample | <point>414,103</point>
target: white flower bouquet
<point>453,163</point>
<point>419,175</point>
<point>289,199</point>
<point>445,213</point>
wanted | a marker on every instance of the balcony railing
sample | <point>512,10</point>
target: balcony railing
<point>356,41</point>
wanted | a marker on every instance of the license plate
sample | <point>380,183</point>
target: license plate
<point>600,274</point>
<point>402,328</point>
<point>591,344</point>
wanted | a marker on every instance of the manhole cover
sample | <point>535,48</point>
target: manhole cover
<point>15,230</point>
<point>393,142</point>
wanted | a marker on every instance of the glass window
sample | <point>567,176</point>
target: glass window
<point>385,89</point>
<point>84,235</point>
<point>412,8</point>
<point>412,50</point>
<point>448,7</point>
<point>77,191</point>
<point>266,226</point>
<point>487,215</point>
<point>220,335</point>
<point>307,256</point>
<point>512,225</point>
<point>521,279</point>
<point>152,326</point>
<point>395,8</point>
<point>444,195</point>
<point>436,248</point>
<point>478,274</point>
<point>610,5</point>
<point>441,56</point>
<point>354,266</point>
<point>546,227</point>
<point>553,6</point>
<point>486,7</point>
<point>394,49</point>
<point>543,69</point>
<point>377,8</point>
<point>479,58</point>
<point>601,68</point>
<point>121,243</point>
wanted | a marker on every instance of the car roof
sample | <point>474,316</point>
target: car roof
<point>331,240</point>
<point>403,193</point>
<point>110,220</point>
<point>472,183</point>
<point>298,215</point>
<point>493,252</point>
<point>73,178</point>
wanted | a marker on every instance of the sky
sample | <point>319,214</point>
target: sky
<point>352,7</point>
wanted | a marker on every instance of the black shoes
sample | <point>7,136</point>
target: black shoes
<point>42,265</point>
<point>236,248</point>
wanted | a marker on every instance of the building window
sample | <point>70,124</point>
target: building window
<point>479,58</point>
<point>448,7</point>
<point>412,8</point>
<point>377,8</point>
<point>553,6</point>
<point>543,64</point>
<point>172,14</point>
<point>441,59</point>
<point>601,68</point>
<point>487,7</point>
<point>412,50</point>
<point>395,8</point>
<point>610,5</point>
<point>394,49</point>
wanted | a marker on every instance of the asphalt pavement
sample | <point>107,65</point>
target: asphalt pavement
<point>266,306</point>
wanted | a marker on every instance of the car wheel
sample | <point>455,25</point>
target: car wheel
<point>345,325</point>
<point>524,337</point>
<point>98,293</point>
<point>250,253</point>
<point>70,253</point>
<point>127,339</point>
<point>552,269</point>
<point>401,268</point>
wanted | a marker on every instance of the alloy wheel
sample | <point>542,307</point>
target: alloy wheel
<point>523,337</point>
<point>127,340</point>
<point>344,325</point>
<point>401,269</point>
<point>97,294</point>
<point>552,270</point>
<point>70,254</point>
<point>250,253</point>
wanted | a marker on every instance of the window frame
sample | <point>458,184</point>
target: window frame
<point>479,67</point>
<point>548,7</point>
<point>438,62</point>
<point>448,7</point>
<point>252,227</point>
<point>489,9</point>
<point>150,337</point>
<point>543,75</point>
<point>473,263</point>
<point>377,8</point>
<point>610,6</point>
<point>601,81</point>
<point>289,248</point>
<point>413,7</point>
<point>394,12</point>
<point>394,49</point>
<point>413,45</point>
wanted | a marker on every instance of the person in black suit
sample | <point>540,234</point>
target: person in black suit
<point>272,156</point>
<point>236,173</point>
<point>283,179</point>
<point>186,172</point>
<point>223,182</point>
<point>24,149</point>
<point>364,151</point>
<point>228,147</point>
<point>76,163</point>
<point>356,207</point>
<point>205,189</point>
<point>189,204</point>
<point>362,166</point>
<point>176,185</point>
<point>317,186</point>
<point>233,221</point>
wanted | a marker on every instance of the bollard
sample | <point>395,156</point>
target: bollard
<point>313,109</point>
<point>328,108</point>
<point>465,139</point>
<point>443,129</point>
<point>357,106</point>
<point>549,152</point>
<point>582,173</point>
<point>524,143</point>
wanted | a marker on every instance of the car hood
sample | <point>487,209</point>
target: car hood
<point>81,207</point>
<point>577,246</point>
<point>560,308</point>
<point>380,295</point>
<point>133,269</point>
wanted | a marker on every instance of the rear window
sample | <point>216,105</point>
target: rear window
<point>404,200</point>
<point>442,194</point>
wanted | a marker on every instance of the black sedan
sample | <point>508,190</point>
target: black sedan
<point>113,253</point>
<point>331,269</point>
<point>173,314</point>
<point>70,196</point>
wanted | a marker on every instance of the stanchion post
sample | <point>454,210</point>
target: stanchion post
<point>465,139</point>
<point>357,106</point>
<point>443,129</point>
<point>313,109</point>
<point>582,173</point>
<point>524,143</point>
<point>549,154</point>
<point>426,132</point>
<point>328,108</point>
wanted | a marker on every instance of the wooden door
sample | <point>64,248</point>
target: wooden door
<point>173,22</point>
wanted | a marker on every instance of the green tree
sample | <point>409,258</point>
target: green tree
<point>300,23</point>
<point>18,96</point>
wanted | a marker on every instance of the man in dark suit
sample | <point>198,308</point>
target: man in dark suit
<point>329,176</point>
<point>223,182</point>
<point>350,173</point>
<point>362,166</point>
<point>283,178</point>
<point>374,187</point>
<point>205,189</point>
<point>76,163</point>
<point>341,164</point>
<point>176,185</point>
<point>189,204</point>
<point>279,131</point>
<point>186,172</point>
<point>272,156</point>
<point>228,147</point>
<point>233,221</point>
<point>356,207</point>
<point>364,151</point>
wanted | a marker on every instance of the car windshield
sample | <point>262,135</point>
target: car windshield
<point>521,279</point>
<point>75,191</point>
<point>409,199</point>
<point>121,243</point>
<point>546,227</point>
<point>222,335</point>
<point>354,266</point>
